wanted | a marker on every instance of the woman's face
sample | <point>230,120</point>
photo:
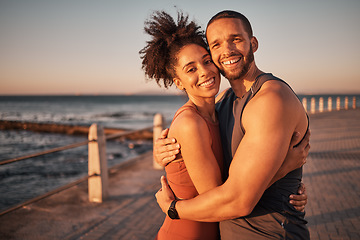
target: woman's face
<point>196,73</point>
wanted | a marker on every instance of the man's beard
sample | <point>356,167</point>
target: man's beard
<point>248,59</point>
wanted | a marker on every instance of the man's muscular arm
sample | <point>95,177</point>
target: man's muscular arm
<point>296,156</point>
<point>257,159</point>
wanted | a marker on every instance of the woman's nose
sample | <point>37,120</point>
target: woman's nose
<point>204,70</point>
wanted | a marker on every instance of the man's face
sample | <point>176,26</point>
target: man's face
<point>230,47</point>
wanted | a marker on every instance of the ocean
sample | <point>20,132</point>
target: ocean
<point>30,178</point>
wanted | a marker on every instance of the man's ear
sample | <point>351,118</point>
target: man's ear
<point>178,83</point>
<point>254,44</point>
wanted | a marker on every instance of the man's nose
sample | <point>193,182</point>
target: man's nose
<point>228,47</point>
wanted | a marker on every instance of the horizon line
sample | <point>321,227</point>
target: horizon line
<point>149,94</point>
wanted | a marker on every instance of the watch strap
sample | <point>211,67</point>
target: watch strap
<point>173,214</point>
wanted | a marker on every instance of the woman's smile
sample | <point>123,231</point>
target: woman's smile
<point>208,83</point>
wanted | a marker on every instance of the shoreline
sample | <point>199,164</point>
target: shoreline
<point>68,129</point>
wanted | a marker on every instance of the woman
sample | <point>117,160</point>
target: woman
<point>177,53</point>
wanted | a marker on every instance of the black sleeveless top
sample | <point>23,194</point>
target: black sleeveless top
<point>230,109</point>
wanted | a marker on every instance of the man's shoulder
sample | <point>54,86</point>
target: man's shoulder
<point>274,84</point>
<point>225,98</point>
<point>224,94</point>
<point>275,88</point>
<point>274,95</point>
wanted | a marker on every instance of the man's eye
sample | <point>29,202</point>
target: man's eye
<point>216,45</point>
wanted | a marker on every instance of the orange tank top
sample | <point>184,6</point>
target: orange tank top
<point>177,174</point>
<point>180,182</point>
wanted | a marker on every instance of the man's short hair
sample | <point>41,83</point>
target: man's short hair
<point>233,14</point>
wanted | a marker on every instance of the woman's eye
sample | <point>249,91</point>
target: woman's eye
<point>191,70</point>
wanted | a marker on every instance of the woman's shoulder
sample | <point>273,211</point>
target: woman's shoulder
<point>188,115</point>
<point>187,120</point>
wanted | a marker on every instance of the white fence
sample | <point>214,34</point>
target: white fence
<point>329,106</point>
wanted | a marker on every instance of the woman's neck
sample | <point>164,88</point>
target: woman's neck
<point>205,106</point>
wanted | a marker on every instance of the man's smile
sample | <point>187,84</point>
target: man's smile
<point>230,62</point>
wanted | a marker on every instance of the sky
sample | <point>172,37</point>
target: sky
<point>91,47</point>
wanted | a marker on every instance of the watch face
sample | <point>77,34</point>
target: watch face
<point>172,214</point>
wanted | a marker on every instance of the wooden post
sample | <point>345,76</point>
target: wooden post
<point>321,104</point>
<point>329,104</point>
<point>304,103</point>
<point>312,107</point>
<point>346,103</point>
<point>98,184</point>
<point>354,102</point>
<point>338,103</point>
<point>158,127</point>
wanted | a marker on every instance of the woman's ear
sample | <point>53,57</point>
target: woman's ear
<point>178,83</point>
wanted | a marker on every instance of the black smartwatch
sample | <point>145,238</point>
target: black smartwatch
<point>172,213</point>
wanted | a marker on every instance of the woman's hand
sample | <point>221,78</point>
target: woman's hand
<point>299,201</point>
<point>296,156</point>
<point>165,195</point>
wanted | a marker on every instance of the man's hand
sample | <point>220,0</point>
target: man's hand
<point>165,195</point>
<point>299,201</point>
<point>296,156</point>
<point>165,149</point>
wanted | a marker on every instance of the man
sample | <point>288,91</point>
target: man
<point>258,117</point>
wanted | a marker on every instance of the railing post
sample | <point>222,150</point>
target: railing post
<point>312,105</point>
<point>329,104</point>
<point>354,103</point>
<point>158,127</point>
<point>338,103</point>
<point>346,103</point>
<point>321,104</point>
<point>98,184</point>
<point>304,103</point>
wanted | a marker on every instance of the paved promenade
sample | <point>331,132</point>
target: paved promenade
<point>332,177</point>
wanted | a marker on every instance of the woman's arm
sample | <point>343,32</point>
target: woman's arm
<point>192,133</point>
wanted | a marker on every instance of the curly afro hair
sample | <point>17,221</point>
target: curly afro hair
<point>159,56</point>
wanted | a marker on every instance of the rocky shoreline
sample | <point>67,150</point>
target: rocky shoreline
<point>70,129</point>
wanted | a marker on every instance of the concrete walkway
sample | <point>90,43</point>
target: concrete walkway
<point>332,177</point>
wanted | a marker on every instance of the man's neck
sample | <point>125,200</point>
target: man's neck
<point>242,86</point>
